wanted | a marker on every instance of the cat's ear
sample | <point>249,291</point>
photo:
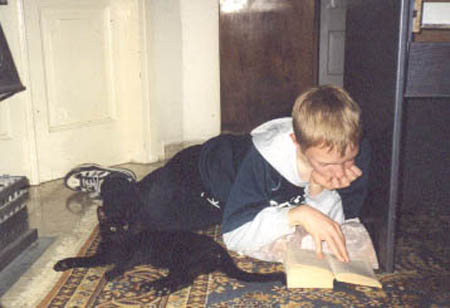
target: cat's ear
<point>101,214</point>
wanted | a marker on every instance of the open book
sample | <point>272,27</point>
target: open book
<point>357,239</point>
<point>305,270</point>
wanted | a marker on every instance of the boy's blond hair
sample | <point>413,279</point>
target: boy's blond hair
<point>326,116</point>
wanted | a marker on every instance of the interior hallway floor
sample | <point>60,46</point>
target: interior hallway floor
<point>54,211</point>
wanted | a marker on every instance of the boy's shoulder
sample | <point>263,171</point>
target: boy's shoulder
<point>273,142</point>
<point>273,134</point>
<point>273,128</point>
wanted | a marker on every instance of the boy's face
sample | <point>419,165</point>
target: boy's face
<point>326,167</point>
<point>330,163</point>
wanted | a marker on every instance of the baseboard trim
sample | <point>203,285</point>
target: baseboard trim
<point>171,149</point>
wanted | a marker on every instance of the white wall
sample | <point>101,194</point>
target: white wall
<point>164,39</point>
<point>201,76</point>
<point>184,69</point>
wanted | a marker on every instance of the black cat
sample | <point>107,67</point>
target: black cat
<point>185,254</point>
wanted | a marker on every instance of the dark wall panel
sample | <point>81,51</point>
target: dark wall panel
<point>425,156</point>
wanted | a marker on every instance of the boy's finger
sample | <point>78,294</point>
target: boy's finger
<point>338,253</point>
<point>318,244</point>
<point>350,175</point>
<point>340,247</point>
<point>355,170</point>
<point>336,183</point>
<point>334,248</point>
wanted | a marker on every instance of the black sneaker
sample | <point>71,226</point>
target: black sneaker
<point>89,178</point>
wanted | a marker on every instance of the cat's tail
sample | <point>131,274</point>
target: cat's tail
<point>230,268</point>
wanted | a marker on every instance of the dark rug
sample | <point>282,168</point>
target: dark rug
<point>421,279</point>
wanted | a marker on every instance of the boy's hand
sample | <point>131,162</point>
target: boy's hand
<point>321,228</point>
<point>320,181</point>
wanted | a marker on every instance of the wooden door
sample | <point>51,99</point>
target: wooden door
<point>85,82</point>
<point>268,55</point>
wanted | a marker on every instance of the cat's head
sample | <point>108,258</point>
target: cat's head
<point>113,227</point>
<point>119,213</point>
<point>120,199</point>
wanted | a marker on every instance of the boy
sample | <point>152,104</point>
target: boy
<point>308,170</point>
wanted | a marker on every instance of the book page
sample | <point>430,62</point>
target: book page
<point>305,257</point>
<point>357,239</point>
<point>305,270</point>
<point>355,272</point>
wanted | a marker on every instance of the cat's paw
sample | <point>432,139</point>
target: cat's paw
<point>61,265</point>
